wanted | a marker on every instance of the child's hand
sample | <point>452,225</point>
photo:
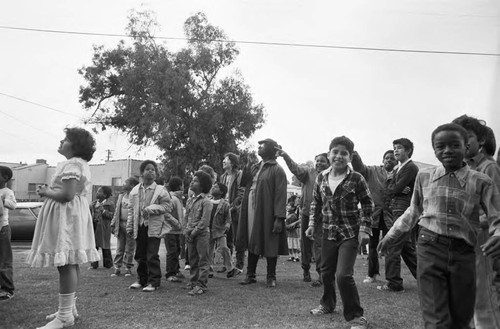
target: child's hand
<point>406,190</point>
<point>188,237</point>
<point>227,226</point>
<point>492,247</point>
<point>383,246</point>
<point>310,233</point>
<point>42,190</point>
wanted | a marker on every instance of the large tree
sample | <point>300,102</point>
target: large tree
<point>185,102</point>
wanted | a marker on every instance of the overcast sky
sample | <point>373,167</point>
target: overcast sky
<point>311,94</point>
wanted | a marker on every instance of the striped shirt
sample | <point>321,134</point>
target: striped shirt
<point>448,203</point>
<point>342,218</point>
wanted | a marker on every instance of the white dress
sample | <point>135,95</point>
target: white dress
<point>64,233</point>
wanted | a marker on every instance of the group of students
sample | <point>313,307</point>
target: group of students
<point>456,206</point>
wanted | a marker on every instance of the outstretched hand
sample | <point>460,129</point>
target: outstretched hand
<point>383,246</point>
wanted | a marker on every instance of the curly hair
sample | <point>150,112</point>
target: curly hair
<point>222,188</point>
<point>471,123</point>
<point>143,165</point>
<point>205,180</point>
<point>235,160</point>
<point>106,191</point>
<point>82,142</point>
<point>6,173</point>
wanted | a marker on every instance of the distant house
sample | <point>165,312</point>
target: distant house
<point>112,173</point>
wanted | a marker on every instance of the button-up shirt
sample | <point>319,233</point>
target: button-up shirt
<point>342,218</point>
<point>448,203</point>
<point>145,197</point>
<point>198,211</point>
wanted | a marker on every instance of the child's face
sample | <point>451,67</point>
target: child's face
<point>389,161</point>
<point>449,148</point>
<point>400,153</point>
<point>66,148</point>
<point>149,173</point>
<point>339,157</point>
<point>474,145</point>
<point>215,191</point>
<point>320,163</point>
<point>195,185</point>
<point>100,194</point>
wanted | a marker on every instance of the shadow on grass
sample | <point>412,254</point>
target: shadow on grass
<point>106,302</point>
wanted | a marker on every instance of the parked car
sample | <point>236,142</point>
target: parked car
<point>22,220</point>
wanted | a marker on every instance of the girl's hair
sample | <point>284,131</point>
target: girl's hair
<point>175,183</point>
<point>205,181</point>
<point>324,155</point>
<point>6,173</point>
<point>143,165</point>
<point>107,191</point>
<point>82,142</point>
<point>210,171</point>
<point>223,189</point>
<point>132,181</point>
<point>235,160</point>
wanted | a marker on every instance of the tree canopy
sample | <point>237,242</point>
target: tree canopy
<point>185,101</point>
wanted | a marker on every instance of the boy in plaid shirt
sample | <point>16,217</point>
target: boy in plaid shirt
<point>337,192</point>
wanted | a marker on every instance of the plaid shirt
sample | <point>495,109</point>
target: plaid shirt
<point>342,218</point>
<point>448,204</point>
<point>198,213</point>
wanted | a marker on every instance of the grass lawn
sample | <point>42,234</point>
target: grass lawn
<point>106,302</point>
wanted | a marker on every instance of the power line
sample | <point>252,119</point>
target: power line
<point>262,43</point>
<point>24,123</point>
<point>37,104</point>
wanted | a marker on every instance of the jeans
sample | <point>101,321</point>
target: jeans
<point>226,255</point>
<point>373,264</point>
<point>199,259</point>
<point>405,249</point>
<point>6,272</point>
<point>487,309</point>
<point>107,259</point>
<point>446,277</point>
<point>173,246</point>
<point>147,258</point>
<point>124,249</point>
<point>338,258</point>
<point>253,259</point>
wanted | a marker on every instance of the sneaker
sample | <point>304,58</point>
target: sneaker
<point>248,280</point>
<point>234,272</point>
<point>370,279</point>
<point>187,267</point>
<point>150,288</point>
<point>135,285</point>
<point>197,290</point>
<point>128,272</point>
<point>4,295</point>
<point>173,278</point>
<point>385,287</point>
<point>320,310</point>
<point>316,284</point>
<point>117,272</point>
<point>359,323</point>
<point>271,283</point>
<point>290,259</point>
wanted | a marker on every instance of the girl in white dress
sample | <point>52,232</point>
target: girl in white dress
<point>64,236</point>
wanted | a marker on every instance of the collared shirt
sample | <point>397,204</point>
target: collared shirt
<point>401,165</point>
<point>145,197</point>
<point>448,204</point>
<point>341,216</point>
<point>198,211</point>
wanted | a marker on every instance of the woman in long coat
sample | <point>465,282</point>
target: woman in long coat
<point>261,228</point>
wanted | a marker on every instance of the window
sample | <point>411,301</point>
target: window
<point>116,181</point>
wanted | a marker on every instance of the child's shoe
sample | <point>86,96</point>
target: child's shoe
<point>128,272</point>
<point>188,286</point>
<point>173,278</point>
<point>370,279</point>
<point>359,323</point>
<point>59,323</point>
<point>149,288</point>
<point>197,290</point>
<point>117,272</point>
<point>136,285</point>
<point>4,295</point>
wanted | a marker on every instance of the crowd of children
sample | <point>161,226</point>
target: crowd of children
<point>453,252</point>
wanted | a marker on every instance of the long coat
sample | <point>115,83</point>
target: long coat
<point>270,203</point>
<point>102,223</point>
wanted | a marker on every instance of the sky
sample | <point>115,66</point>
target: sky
<point>310,94</point>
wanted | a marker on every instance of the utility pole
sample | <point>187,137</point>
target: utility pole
<point>108,154</point>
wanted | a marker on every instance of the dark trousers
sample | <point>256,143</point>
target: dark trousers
<point>405,249</point>
<point>6,272</point>
<point>107,259</point>
<point>199,259</point>
<point>373,264</point>
<point>306,244</point>
<point>338,258</point>
<point>240,254</point>
<point>173,246</point>
<point>147,258</point>
<point>446,276</point>
<point>253,259</point>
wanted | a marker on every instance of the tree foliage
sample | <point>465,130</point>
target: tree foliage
<point>184,102</point>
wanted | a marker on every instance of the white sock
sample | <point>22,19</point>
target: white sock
<point>66,302</point>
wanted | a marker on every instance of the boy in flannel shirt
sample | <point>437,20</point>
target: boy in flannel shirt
<point>446,202</point>
<point>337,192</point>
